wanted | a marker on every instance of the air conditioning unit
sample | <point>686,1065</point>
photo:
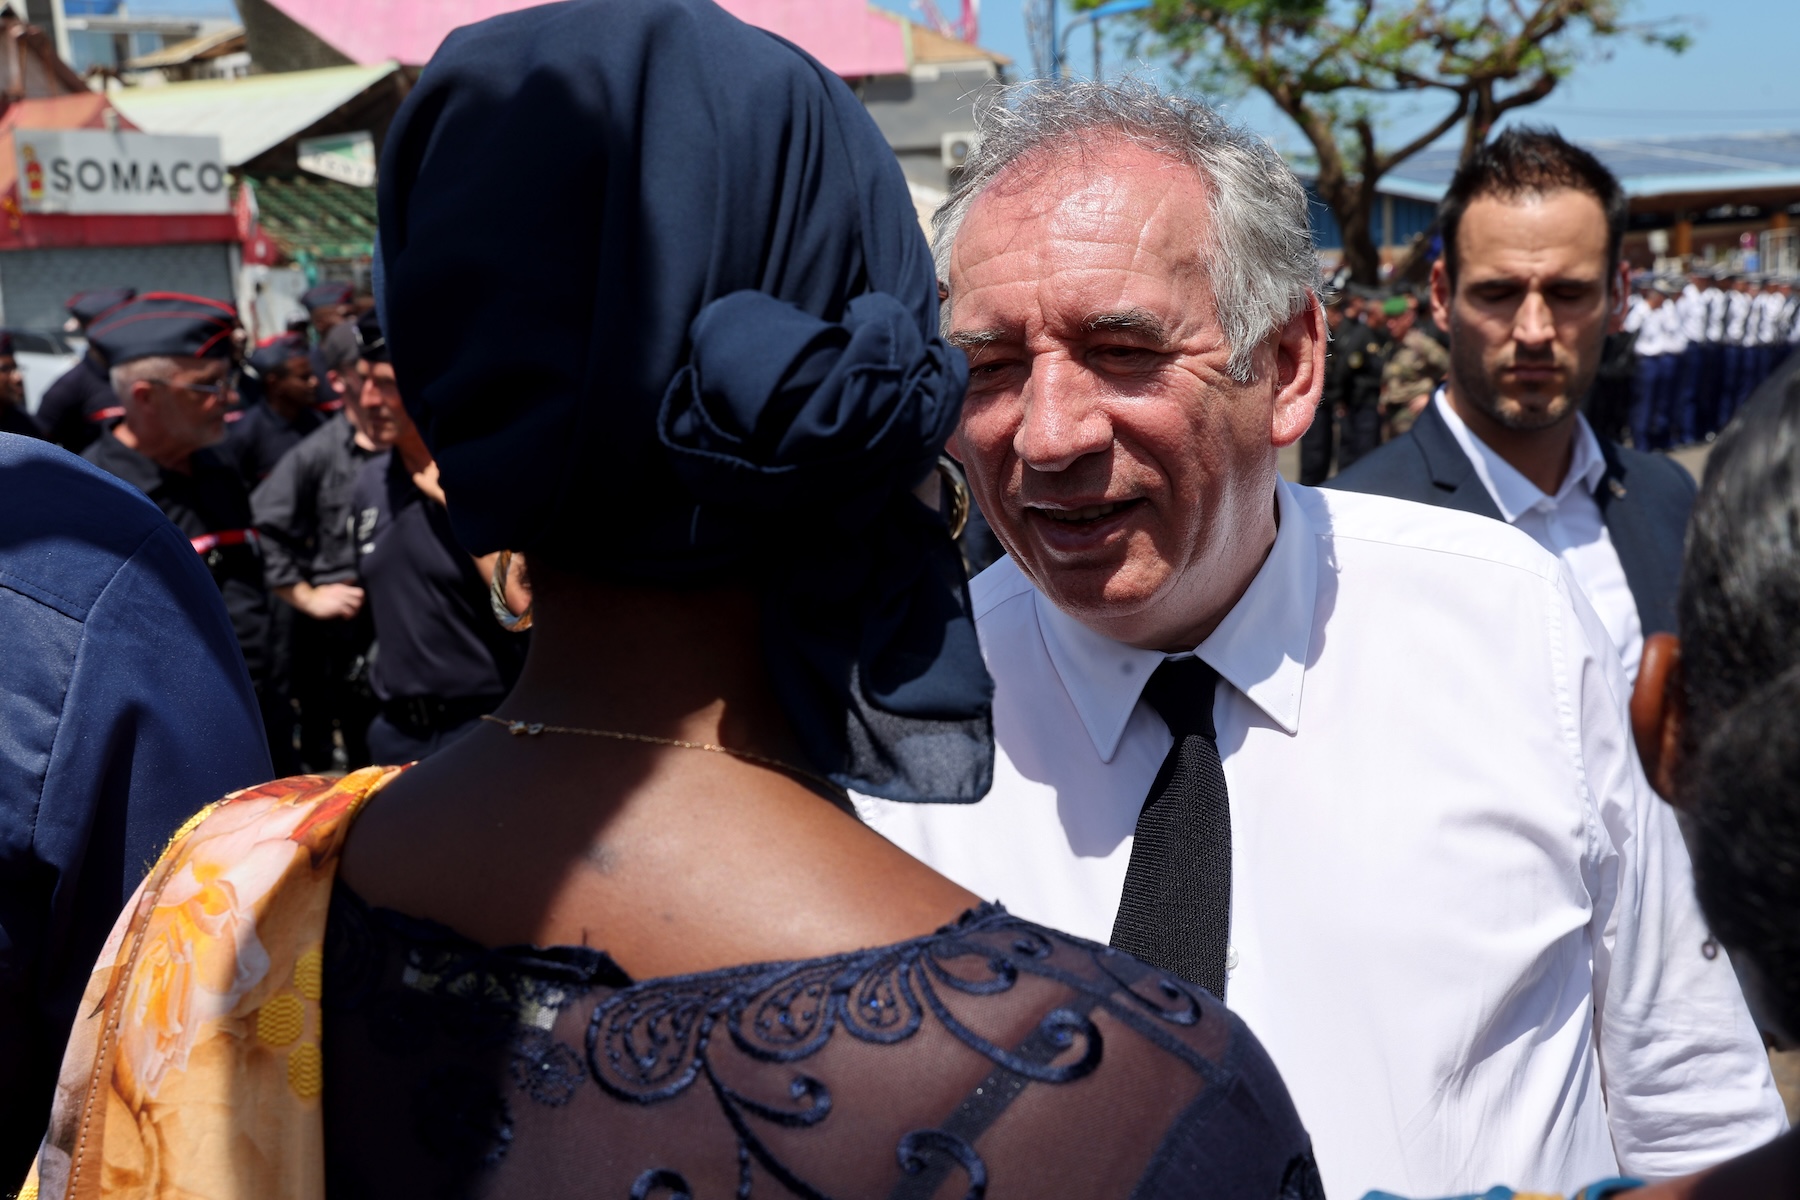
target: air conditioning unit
<point>957,147</point>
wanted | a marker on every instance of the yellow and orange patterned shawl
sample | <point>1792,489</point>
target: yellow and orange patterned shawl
<point>194,1068</point>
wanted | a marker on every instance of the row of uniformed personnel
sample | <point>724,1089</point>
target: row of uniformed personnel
<point>300,482</point>
<point>1702,347</point>
<point>1385,359</point>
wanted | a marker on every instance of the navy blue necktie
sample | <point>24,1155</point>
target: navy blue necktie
<point>1176,910</point>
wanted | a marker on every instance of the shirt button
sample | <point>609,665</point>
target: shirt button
<point>1231,959</point>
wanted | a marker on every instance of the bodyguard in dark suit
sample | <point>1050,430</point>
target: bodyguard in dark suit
<point>125,708</point>
<point>1644,500</point>
<point>1529,286</point>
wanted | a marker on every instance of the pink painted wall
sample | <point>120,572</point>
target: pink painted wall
<point>845,35</point>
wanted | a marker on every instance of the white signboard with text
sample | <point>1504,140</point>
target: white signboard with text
<point>95,171</point>
<point>346,157</point>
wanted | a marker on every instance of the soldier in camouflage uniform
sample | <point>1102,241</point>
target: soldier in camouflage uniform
<point>1352,386</point>
<point>1416,364</point>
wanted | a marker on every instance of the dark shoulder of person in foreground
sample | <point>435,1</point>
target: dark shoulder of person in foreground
<point>1716,720</point>
<point>126,709</point>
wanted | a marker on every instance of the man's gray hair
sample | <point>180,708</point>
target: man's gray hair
<point>1259,251</point>
<point>154,368</point>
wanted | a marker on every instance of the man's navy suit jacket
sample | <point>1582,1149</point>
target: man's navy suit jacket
<point>1644,499</point>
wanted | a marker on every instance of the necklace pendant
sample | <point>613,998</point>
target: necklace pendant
<point>520,728</point>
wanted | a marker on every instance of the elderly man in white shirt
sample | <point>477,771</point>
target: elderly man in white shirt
<point>1361,763</point>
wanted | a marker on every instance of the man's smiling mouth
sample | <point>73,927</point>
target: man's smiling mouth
<point>1087,512</point>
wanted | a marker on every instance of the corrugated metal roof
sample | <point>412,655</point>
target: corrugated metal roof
<point>1658,166</point>
<point>319,218</point>
<point>249,115</point>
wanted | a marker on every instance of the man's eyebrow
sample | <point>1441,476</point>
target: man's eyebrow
<point>1139,321</point>
<point>1552,281</point>
<point>974,339</point>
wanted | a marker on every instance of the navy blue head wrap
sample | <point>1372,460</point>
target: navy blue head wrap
<point>658,300</point>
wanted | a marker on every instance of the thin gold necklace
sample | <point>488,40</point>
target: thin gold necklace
<point>534,728</point>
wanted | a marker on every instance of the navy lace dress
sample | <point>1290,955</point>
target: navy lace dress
<point>993,1058</point>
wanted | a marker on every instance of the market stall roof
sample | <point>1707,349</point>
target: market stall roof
<point>1651,166</point>
<point>207,46</point>
<point>846,35</point>
<point>249,115</point>
<point>316,218</point>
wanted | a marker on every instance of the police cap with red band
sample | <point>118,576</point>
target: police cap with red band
<point>326,295</point>
<point>370,341</point>
<point>86,306</point>
<point>275,353</point>
<point>165,323</point>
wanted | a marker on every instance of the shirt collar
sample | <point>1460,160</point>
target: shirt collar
<point>122,462</point>
<point>1260,648</point>
<point>1513,494</point>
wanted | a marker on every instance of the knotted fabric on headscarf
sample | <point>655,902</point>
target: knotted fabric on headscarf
<point>657,298</point>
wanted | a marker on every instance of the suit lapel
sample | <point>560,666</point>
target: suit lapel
<point>1636,544</point>
<point>1452,474</point>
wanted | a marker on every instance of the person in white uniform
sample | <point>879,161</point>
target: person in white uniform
<point>1387,740</point>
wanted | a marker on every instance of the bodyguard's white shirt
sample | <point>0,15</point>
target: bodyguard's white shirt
<point>1568,524</point>
<point>1462,924</point>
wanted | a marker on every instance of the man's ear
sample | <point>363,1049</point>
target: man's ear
<point>1616,298</point>
<point>1299,373</point>
<point>1440,293</point>
<point>142,395</point>
<point>1658,709</point>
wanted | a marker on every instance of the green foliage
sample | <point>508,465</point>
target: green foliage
<point>1332,65</point>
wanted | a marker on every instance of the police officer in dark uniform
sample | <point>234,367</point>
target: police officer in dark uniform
<point>1316,443</point>
<point>13,417</point>
<point>285,411</point>
<point>1353,385</point>
<point>302,511</point>
<point>327,305</point>
<point>77,406</point>
<point>173,364</point>
<point>441,659</point>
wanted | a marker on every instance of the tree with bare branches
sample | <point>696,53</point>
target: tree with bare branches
<point>1329,65</point>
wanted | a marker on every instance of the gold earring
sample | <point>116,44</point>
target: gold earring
<point>510,621</point>
<point>951,472</point>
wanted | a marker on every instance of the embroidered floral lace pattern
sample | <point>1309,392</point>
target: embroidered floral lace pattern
<point>994,1058</point>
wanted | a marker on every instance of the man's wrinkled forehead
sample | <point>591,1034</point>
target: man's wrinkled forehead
<point>1111,205</point>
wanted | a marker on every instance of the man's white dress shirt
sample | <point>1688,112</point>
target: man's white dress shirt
<point>1568,524</point>
<point>1462,924</point>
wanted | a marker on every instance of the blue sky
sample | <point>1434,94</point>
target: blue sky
<point>1739,76</point>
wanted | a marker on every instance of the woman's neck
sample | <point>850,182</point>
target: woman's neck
<point>661,662</point>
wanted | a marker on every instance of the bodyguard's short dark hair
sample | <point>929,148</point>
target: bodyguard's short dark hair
<point>1739,615</point>
<point>1526,161</point>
